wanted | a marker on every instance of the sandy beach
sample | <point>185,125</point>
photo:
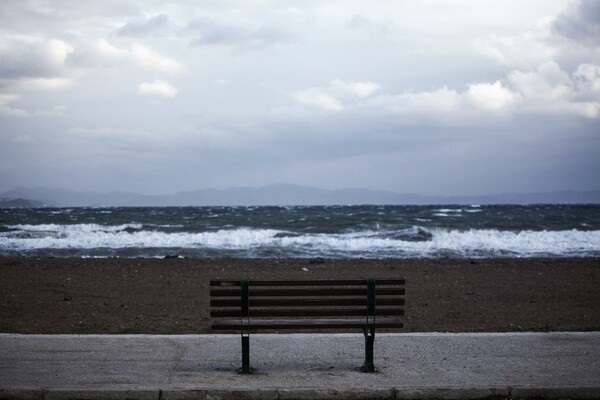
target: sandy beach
<point>170,296</point>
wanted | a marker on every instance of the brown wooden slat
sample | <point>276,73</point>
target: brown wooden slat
<point>291,302</point>
<point>314,282</point>
<point>292,292</point>
<point>308,312</point>
<point>234,292</point>
<point>313,324</point>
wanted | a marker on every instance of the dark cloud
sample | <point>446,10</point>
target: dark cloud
<point>153,26</point>
<point>45,59</point>
<point>580,22</point>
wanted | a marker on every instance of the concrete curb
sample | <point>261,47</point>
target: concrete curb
<point>21,394</point>
<point>83,394</point>
<point>556,393</point>
<point>575,393</point>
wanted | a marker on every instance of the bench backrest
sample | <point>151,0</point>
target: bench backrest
<point>307,304</point>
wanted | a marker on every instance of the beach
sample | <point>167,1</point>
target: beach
<point>170,296</point>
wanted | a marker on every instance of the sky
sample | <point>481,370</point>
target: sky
<point>432,97</point>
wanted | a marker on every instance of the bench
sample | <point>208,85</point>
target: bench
<point>307,305</point>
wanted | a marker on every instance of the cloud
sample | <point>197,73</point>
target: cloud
<point>545,76</point>
<point>23,59</point>
<point>580,22</point>
<point>7,98</point>
<point>54,64</point>
<point>318,98</point>
<point>8,111</point>
<point>42,84</point>
<point>539,80</point>
<point>102,54</point>
<point>147,58</point>
<point>209,31</point>
<point>547,90</point>
<point>98,54</point>
<point>435,106</point>
<point>360,89</point>
<point>157,88</point>
<point>333,96</point>
<point>55,111</point>
<point>30,66</point>
<point>522,50</point>
<point>152,26</point>
<point>570,38</point>
<point>490,96</point>
<point>587,81</point>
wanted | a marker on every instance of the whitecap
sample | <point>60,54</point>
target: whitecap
<point>434,242</point>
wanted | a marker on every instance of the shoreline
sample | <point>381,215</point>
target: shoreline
<point>170,296</point>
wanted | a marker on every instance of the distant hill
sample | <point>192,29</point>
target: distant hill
<point>20,203</point>
<point>280,194</point>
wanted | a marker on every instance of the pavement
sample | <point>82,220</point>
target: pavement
<point>300,366</point>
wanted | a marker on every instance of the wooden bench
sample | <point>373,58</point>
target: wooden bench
<point>333,305</point>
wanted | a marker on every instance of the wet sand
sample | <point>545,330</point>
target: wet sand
<point>171,296</point>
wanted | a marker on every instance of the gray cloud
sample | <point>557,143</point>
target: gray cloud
<point>580,22</point>
<point>153,26</point>
<point>207,31</point>
<point>21,59</point>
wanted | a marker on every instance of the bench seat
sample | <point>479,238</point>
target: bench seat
<point>320,323</point>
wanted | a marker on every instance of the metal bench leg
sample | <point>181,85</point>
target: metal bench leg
<point>369,366</point>
<point>245,320</point>
<point>369,329</point>
<point>245,354</point>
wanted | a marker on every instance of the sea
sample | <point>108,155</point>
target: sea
<point>440,231</point>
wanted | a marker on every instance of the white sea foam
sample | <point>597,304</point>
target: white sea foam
<point>436,242</point>
<point>75,228</point>
<point>449,210</point>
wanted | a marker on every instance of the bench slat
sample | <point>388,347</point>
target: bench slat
<point>234,292</point>
<point>354,323</point>
<point>290,302</point>
<point>316,282</point>
<point>327,312</point>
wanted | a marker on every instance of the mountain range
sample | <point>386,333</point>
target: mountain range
<point>279,194</point>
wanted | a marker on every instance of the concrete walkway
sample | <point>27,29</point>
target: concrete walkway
<point>298,366</point>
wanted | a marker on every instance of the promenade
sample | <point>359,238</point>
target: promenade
<point>299,366</point>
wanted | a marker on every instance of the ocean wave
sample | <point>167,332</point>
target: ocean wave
<point>249,242</point>
<point>74,228</point>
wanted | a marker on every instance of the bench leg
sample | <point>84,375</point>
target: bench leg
<point>245,354</point>
<point>369,366</point>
